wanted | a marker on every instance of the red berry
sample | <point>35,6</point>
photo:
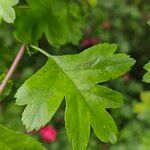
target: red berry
<point>48,133</point>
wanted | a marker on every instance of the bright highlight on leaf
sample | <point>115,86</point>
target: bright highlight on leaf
<point>146,77</point>
<point>10,140</point>
<point>6,11</point>
<point>61,21</point>
<point>76,78</point>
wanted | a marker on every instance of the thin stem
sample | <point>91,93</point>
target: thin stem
<point>12,68</point>
<point>41,50</point>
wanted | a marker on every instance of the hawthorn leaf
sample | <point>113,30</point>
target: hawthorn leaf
<point>10,140</point>
<point>76,78</point>
<point>46,18</point>
<point>7,13</point>
<point>146,77</point>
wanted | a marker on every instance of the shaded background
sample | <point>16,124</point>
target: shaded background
<point>115,21</point>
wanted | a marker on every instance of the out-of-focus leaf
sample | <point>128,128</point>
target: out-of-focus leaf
<point>12,111</point>
<point>10,140</point>
<point>92,2</point>
<point>146,77</point>
<point>7,13</point>
<point>148,22</point>
<point>8,88</point>
<point>143,108</point>
<point>61,22</point>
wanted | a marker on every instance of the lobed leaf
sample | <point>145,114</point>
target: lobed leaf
<point>76,78</point>
<point>46,19</point>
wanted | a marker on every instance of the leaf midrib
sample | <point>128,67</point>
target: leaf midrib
<point>55,59</point>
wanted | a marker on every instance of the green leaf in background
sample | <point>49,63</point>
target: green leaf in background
<point>146,77</point>
<point>128,140</point>
<point>92,2</point>
<point>148,22</point>
<point>8,88</point>
<point>46,18</point>
<point>143,108</point>
<point>76,78</point>
<point>10,140</point>
<point>6,11</point>
<point>11,111</point>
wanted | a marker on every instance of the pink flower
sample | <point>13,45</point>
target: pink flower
<point>48,133</point>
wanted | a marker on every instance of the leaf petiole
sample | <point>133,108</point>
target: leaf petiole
<point>41,50</point>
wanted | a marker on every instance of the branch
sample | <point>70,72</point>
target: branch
<point>12,68</point>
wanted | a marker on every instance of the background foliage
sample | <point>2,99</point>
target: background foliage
<point>122,22</point>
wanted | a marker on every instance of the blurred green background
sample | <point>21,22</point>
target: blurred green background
<point>115,21</point>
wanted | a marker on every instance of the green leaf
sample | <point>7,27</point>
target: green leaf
<point>146,77</point>
<point>46,18</point>
<point>92,2</point>
<point>143,108</point>
<point>6,11</point>
<point>8,88</point>
<point>148,22</point>
<point>76,78</point>
<point>10,140</point>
